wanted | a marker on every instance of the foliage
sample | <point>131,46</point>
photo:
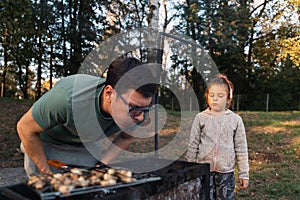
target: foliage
<point>257,46</point>
<point>228,28</point>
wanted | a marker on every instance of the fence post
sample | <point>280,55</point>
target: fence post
<point>238,103</point>
<point>267,103</point>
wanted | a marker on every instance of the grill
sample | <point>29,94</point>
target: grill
<point>178,180</point>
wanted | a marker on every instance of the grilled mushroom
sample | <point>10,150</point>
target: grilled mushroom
<point>76,177</point>
<point>64,189</point>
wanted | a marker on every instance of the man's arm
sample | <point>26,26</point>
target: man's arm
<point>28,131</point>
<point>121,142</point>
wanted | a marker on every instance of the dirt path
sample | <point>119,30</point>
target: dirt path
<point>11,176</point>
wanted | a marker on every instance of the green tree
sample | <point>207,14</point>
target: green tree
<point>276,56</point>
<point>222,27</point>
<point>16,26</point>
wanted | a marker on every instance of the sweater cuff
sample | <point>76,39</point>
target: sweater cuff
<point>243,175</point>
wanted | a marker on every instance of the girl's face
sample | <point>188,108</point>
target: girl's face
<point>217,97</point>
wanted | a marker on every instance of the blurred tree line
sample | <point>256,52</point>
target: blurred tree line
<point>256,45</point>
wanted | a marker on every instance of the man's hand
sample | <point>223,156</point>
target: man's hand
<point>100,164</point>
<point>121,142</point>
<point>244,183</point>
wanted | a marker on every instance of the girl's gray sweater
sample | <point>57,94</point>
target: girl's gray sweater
<point>220,141</point>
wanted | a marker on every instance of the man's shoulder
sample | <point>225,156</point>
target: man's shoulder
<point>81,77</point>
<point>80,80</point>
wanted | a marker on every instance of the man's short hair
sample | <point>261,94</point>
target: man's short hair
<point>121,66</point>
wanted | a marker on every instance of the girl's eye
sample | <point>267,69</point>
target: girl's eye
<point>213,95</point>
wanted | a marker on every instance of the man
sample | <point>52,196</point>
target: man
<point>60,125</point>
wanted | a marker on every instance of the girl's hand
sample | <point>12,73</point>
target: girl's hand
<point>244,183</point>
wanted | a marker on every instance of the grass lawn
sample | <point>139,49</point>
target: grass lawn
<point>274,150</point>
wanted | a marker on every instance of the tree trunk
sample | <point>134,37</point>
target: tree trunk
<point>74,37</point>
<point>3,83</point>
<point>65,59</point>
<point>51,59</point>
<point>21,82</point>
<point>154,55</point>
<point>39,70</point>
<point>40,51</point>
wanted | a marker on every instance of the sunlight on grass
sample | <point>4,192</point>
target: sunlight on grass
<point>273,141</point>
<point>292,123</point>
<point>269,129</point>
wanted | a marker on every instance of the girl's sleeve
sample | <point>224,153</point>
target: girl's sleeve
<point>193,147</point>
<point>241,150</point>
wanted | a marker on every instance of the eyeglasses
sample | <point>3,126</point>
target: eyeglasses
<point>134,111</point>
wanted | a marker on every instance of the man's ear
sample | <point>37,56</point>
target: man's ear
<point>108,93</point>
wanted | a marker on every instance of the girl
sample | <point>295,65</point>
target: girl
<point>218,137</point>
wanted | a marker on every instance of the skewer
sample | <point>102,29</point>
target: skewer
<point>65,182</point>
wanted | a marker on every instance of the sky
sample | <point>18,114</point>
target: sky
<point>258,2</point>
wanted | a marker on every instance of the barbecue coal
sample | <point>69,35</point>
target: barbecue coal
<point>78,178</point>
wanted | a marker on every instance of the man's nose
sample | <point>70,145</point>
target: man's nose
<point>139,117</point>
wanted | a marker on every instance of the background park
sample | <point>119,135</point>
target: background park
<point>255,43</point>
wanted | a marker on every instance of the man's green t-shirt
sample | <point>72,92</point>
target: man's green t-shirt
<point>70,112</point>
